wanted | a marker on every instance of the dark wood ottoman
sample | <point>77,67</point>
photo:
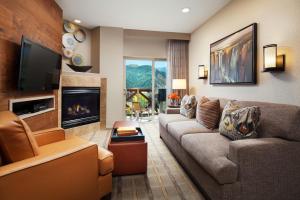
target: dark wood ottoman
<point>130,152</point>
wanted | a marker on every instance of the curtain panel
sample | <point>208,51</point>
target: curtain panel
<point>178,62</point>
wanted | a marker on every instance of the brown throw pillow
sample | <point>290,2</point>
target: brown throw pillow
<point>208,112</point>
<point>16,140</point>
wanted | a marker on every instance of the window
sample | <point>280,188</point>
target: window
<point>144,78</point>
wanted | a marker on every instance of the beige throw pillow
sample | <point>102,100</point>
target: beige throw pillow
<point>208,112</point>
<point>188,106</point>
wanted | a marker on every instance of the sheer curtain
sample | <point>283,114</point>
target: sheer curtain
<point>178,61</point>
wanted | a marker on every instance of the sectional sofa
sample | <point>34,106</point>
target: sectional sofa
<point>267,167</point>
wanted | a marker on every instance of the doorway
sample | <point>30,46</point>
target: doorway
<point>146,84</point>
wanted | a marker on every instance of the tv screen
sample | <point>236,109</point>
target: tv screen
<point>39,67</point>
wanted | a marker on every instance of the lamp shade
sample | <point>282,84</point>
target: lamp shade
<point>202,72</point>
<point>272,61</point>
<point>179,84</point>
<point>270,55</point>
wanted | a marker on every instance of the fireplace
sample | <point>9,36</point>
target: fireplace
<point>80,105</point>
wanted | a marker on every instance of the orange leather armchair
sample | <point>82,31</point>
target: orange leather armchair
<point>54,168</point>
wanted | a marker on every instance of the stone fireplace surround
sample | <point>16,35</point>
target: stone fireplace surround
<point>85,80</point>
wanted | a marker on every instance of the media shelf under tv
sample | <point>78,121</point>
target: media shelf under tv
<point>29,107</point>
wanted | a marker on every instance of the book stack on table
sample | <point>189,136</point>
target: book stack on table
<point>127,131</point>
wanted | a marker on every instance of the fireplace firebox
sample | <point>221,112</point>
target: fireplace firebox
<point>80,105</point>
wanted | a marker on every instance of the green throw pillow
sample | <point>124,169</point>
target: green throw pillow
<point>239,123</point>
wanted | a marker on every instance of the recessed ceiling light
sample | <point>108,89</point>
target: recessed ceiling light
<point>77,21</point>
<point>185,10</point>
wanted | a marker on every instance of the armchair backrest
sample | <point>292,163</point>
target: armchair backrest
<point>16,140</point>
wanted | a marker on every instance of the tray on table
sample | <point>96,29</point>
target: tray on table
<point>116,138</point>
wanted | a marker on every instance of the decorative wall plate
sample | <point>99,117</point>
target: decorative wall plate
<point>68,53</point>
<point>77,59</point>
<point>69,27</point>
<point>69,41</point>
<point>80,35</point>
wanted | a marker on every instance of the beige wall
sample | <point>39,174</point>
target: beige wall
<point>95,50</point>
<point>149,44</point>
<point>279,23</point>
<point>145,47</point>
<point>111,67</point>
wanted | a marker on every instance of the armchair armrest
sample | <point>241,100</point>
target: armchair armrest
<point>48,136</point>
<point>63,170</point>
<point>173,111</point>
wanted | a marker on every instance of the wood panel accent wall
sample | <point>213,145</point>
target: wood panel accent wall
<point>40,21</point>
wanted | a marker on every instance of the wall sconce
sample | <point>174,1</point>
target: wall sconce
<point>202,72</point>
<point>272,61</point>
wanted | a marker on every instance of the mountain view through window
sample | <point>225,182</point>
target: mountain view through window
<point>139,74</point>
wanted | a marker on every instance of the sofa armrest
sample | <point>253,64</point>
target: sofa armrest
<point>48,136</point>
<point>64,170</point>
<point>266,159</point>
<point>173,111</point>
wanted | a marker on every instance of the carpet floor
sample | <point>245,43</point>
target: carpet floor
<point>165,178</point>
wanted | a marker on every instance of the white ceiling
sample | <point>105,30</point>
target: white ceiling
<point>154,15</point>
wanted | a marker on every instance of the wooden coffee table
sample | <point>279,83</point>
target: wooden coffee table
<point>130,152</point>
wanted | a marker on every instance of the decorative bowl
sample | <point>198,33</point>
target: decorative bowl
<point>79,68</point>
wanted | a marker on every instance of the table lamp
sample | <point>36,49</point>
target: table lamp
<point>179,84</point>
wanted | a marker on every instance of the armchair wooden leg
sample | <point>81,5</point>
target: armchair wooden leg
<point>106,197</point>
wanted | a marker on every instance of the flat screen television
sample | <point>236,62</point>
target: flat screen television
<point>39,67</point>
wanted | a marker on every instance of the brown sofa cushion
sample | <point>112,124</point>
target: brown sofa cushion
<point>210,151</point>
<point>16,140</point>
<point>188,106</point>
<point>165,119</point>
<point>181,128</point>
<point>208,112</point>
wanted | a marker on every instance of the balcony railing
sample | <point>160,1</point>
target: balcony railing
<point>142,96</point>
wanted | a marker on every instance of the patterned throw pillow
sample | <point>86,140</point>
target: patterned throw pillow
<point>188,106</point>
<point>239,123</point>
<point>208,112</point>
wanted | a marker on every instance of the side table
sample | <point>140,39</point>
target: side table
<point>130,152</point>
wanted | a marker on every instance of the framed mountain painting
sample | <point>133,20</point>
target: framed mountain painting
<point>233,58</point>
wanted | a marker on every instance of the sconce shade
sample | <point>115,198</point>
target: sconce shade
<point>272,62</point>
<point>202,72</point>
<point>179,84</point>
<point>270,54</point>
